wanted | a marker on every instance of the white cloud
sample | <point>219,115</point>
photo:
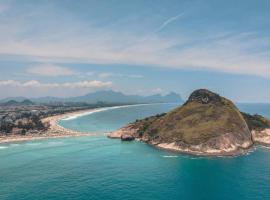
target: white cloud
<point>88,84</point>
<point>50,70</point>
<point>229,54</point>
<point>157,91</point>
<point>94,84</point>
<point>76,41</point>
<point>9,83</point>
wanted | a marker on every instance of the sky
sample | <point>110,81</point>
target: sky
<point>69,48</point>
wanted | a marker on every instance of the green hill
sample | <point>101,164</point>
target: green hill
<point>204,116</point>
<point>205,124</point>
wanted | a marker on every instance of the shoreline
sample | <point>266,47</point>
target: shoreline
<point>55,130</point>
<point>260,138</point>
<point>210,153</point>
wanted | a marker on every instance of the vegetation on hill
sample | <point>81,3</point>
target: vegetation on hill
<point>203,118</point>
<point>256,122</point>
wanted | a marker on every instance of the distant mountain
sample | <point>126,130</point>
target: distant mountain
<point>18,99</point>
<point>16,103</point>
<point>26,102</point>
<point>10,103</point>
<point>106,96</point>
<point>118,97</point>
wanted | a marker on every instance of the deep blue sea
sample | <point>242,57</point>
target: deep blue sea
<point>97,168</point>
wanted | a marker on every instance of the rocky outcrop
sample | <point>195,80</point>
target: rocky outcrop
<point>206,124</point>
<point>130,130</point>
<point>127,137</point>
<point>261,136</point>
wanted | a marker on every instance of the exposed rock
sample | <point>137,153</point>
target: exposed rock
<point>127,137</point>
<point>261,137</point>
<point>128,130</point>
<point>206,124</point>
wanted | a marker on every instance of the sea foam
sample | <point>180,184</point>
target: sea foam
<point>169,156</point>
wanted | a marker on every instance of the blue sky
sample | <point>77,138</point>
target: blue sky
<point>68,48</point>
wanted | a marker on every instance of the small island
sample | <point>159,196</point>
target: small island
<point>206,124</point>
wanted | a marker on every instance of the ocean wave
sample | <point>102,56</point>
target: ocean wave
<point>169,156</point>
<point>33,144</point>
<point>194,157</point>
<point>14,145</point>
<point>3,147</point>
<point>55,143</point>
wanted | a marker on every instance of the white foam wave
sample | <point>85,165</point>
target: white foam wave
<point>264,147</point>
<point>169,156</point>
<point>3,147</point>
<point>195,158</point>
<point>33,144</point>
<point>14,145</point>
<point>74,116</point>
<point>56,143</point>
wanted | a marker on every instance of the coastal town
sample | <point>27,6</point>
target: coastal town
<point>28,118</point>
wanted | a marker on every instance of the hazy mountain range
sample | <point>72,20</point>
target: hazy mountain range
<point>107,96</point>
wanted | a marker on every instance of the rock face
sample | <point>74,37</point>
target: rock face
<point>205,124</point>
<point>127,137</point>
<point>260,128</point>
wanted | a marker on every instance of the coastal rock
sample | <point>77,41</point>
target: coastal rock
<point>206,124</point>
<point>261,137</point>
<point>129,130</point>
<point>127,137</point>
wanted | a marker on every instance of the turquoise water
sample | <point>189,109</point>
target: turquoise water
<point>101,168</point>
<point>113,119</point>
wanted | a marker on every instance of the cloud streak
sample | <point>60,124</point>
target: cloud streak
<point>170,20</point>
<point>94,84</point>
<point>50,70</point>
<point>82,42</point>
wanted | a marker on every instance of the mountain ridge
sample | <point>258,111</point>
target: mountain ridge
<point>108,96</point>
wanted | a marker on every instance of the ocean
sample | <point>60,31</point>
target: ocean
<point>98,168</point>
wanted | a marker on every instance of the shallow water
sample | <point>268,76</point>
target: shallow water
<point>101,168</point>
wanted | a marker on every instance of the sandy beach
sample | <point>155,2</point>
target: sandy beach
<point>55,130</point>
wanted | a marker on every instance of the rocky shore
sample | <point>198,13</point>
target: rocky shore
<point>207,124</point>
<point>258,137</point>
<point>261,137</point>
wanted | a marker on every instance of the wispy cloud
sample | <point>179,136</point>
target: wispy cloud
<point>79,41</point>
<point>89,84</point>
<point>50,70</point>
<point>170,20</point>
<point>157,91</point>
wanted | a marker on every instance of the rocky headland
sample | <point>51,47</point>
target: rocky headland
<point>206,124</point>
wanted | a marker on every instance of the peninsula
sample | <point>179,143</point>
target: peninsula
<point>206,124</point>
